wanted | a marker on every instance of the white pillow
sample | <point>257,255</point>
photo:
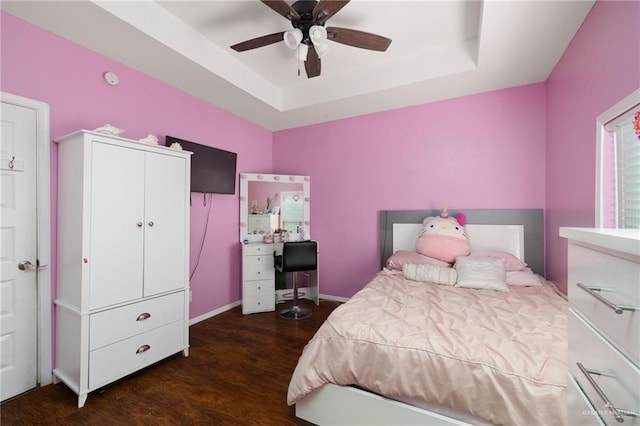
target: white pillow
<point>481,273</point>
<point>524,278</point>
<point>429,273</point>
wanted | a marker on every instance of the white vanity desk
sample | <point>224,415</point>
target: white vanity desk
<point>288,208</point>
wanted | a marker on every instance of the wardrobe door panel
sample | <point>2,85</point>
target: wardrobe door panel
<point>165,227</point>
<point>117,215</point>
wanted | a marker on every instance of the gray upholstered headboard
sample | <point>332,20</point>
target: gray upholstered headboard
<point>531,219</point>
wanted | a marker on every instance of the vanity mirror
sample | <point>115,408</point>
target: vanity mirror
<point>269,203</point>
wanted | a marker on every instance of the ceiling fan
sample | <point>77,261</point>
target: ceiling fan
<point>309,34</point>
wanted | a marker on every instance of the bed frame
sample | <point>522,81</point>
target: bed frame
<point>520,232</point>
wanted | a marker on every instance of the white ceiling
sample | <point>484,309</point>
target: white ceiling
<point>440,50</point>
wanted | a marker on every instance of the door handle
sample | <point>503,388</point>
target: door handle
<point>25,265</point>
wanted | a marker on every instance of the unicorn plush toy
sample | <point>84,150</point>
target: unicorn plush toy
<point>443,237</point>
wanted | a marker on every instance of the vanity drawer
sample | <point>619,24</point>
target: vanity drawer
<point>259,288</point>
<point>120,323</point>
<point>253,304</point>
<point>620,280</point>
<point>619,379</point>
<point>258,249</point>
<point>258,267</point>
<point>119,359</point>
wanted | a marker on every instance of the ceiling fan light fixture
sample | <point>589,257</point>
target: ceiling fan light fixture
<point>321,48</point>
<point>292,38</point>
<point>301,52</point>
<point>318,34</point>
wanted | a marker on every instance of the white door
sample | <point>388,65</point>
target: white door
<point>18,295</point>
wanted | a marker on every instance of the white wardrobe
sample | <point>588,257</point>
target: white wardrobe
<point>123,258</point>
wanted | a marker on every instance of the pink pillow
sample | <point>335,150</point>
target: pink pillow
<point>511,263</point>
<point>407,257</point>
<point>443,247</point>
<point>524,278</point>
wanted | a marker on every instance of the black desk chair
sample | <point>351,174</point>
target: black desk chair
<point>297,256</point>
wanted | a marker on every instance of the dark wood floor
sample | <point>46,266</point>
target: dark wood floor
<point>237,373</point>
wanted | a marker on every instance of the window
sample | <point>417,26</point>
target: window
<point>619,165</point>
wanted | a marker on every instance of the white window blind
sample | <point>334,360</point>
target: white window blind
<point>627,147</point>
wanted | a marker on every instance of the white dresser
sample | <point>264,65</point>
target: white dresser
<point>604,326</point>
<point>258,278</point>
<point>123,258</point>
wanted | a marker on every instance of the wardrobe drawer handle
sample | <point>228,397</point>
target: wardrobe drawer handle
<point>143,316</point>
<point>617,412</point>
<point>593,291</point>
<point>142,349</point>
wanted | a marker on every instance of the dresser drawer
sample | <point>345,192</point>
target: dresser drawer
<point>616,376</point>
<point>579,409</point>
<point>119,359</point>
<point>120,323</point>
<point>259,288</point>
<point>258,249</point>
<point>621,280</point>
<point>253,304</point>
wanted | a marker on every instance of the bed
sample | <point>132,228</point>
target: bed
<point>409,352</point>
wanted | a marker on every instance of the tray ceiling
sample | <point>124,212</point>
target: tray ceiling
<point>440,50</point>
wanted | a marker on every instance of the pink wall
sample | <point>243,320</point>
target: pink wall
<point>482,151</point>
<point>493,150</point>
<point>45,67</point>
<point>599,68</point>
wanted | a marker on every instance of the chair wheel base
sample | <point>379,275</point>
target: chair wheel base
<point>295,312</point>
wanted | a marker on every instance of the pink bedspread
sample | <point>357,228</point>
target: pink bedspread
<point>500,356</point>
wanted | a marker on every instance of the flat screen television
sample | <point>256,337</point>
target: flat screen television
<point>213,170</point>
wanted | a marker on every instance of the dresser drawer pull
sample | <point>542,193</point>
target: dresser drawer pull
<point>142,349</point>
<point>593,291</point>
<point>143,316</point>
<point>618,413</point>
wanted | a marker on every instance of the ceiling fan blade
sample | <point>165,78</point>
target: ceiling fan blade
<point>359,39</point>
<point>325,9</point>
<point>283,8</point>
<point>258,42</point>
<point>312,64</point>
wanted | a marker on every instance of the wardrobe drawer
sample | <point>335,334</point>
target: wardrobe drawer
<point>579,409</point>
<point>611,371</point>
<point>259,288</point>
<point>620,280</point>
<point>120,323</point>
<point>258,249</point>
<point>252,304</point>
<point>119,359</point>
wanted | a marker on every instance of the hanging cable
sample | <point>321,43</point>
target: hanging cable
<point>204,234</point>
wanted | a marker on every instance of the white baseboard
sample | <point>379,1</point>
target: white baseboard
<point>214,312</point>
<point>333,298</point>
<point>230,306</point>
